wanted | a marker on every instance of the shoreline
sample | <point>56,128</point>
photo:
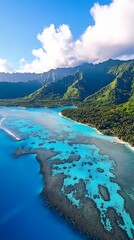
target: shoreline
<point>8,131</point>
<point>126,144</point>
<point>116,139</point>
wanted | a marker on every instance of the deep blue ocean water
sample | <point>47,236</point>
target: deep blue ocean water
<point>22,211</point>
<point>23,215</point>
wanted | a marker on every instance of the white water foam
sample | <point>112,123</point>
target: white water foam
<point>8,131</point>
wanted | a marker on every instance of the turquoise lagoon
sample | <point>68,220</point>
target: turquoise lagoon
<point>22,211</point>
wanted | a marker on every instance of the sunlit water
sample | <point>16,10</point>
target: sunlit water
<point>22,213</point>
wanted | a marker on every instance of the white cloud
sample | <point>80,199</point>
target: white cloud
<point>5,66</point>
<point>111,36</point>
<point>57,50</point>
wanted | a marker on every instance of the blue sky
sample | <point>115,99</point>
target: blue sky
<point>21,22</point>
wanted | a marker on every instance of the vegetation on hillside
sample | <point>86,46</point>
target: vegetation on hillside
<point>104,94</point>
<point>113,120</point>
<point>11,90</point>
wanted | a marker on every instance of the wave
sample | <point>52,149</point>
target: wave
<point>8,131</point>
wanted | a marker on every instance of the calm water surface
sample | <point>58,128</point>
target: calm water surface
<point>22,211</point>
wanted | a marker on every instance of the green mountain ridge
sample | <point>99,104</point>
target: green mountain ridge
<point>51,91</point>
<point>104,94</point>
<point>11,90</point>
<point>120,90</point>
<point>16,85</point>
<point>86,80</point>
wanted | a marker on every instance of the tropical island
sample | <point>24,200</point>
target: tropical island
<point>103,94</point>
<point>81,179</point>
<point>67,120</point>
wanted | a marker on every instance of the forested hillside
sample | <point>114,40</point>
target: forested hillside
<point>104,94</point>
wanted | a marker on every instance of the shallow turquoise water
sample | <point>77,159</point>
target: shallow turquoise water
<point>22,211</point>
<point>42,127</point>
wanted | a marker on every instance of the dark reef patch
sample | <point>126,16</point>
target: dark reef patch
<point>123,176</point>
<point>119,234</point>
<point>100,170</point>
<point>84,217</point>
<point>104,192</point>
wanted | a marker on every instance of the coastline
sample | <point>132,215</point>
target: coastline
<point>52,193</point>
<point>8,131</point>
<point>116,139</point>
<point>126,144</point>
